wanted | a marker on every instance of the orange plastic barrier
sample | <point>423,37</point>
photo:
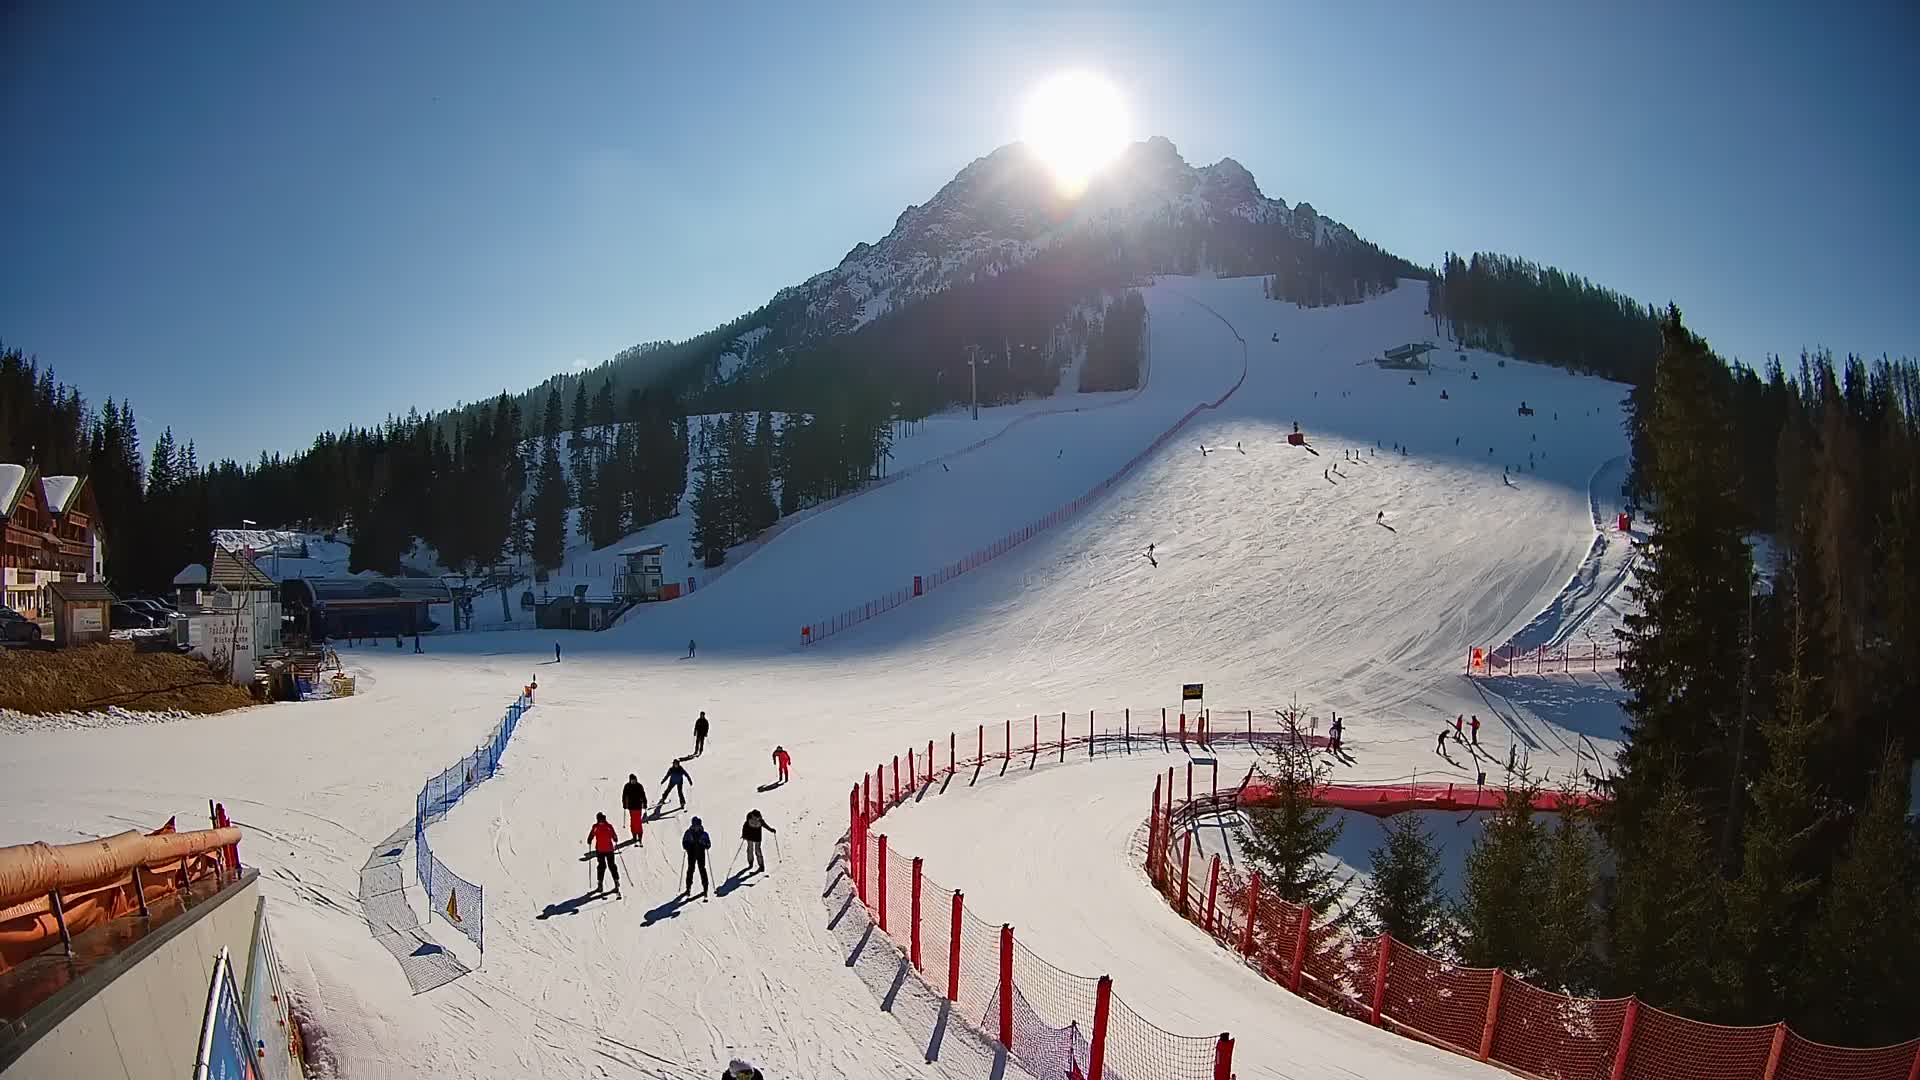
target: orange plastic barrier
<point>95,882</point>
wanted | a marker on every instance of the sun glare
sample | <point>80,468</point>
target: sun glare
<point>1076,123</point>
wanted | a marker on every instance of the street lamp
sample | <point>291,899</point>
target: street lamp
<point>974,360</point>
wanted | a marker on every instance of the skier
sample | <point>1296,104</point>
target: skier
<point>783,761</point>
<point>1334,732</point>
<point>700,734</point>
<point>1459,725</point>
<point>556,652</point>
<point>1476,729</point>
<point>676,776</point>
<point>1238,447</point>
<point>1512,748</point>
<point>1440,746</point>
<point>416,644</point>
<point>602,838</point>
<point>1380,518</point>
<point>695,843</point>
<point>740,1070</point>
<point>689,648</point>
<point>633,798</point>
<point>533,687</point>
<point>750,832</point>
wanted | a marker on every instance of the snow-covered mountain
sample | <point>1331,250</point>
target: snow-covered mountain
<point>1002,211</point>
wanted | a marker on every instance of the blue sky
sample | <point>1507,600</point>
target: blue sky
<point>258,221</point>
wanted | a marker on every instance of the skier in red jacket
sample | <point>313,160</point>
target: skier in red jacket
<point>603,840</point>
<point>783,761</point>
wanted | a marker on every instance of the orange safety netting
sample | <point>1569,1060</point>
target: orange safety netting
<point>95,882</point>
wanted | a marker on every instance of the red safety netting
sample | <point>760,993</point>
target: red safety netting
<point>1804,1059</point>
<point>979,971</point>
<point>1138,1049</point>
<point>1669,1047</point>
<point>1534,1032</point>
<point>1437,999</point>
<point>1060,997</point>
<point>899,897</point>
<point>936,934</point>
<point>1555,1036</point>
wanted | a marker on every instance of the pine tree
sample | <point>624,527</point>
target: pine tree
<point>1289,839</point>
<point>1568,921</point>
<point>1860,984</point>
<point>1666,908</point>
<point>1772,901</point>
<point>1503,888</point>
<point>709,514</point>
<point>1682,650</point>
<point>1403,897</point>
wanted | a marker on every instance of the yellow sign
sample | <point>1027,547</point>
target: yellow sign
<point>1191,691</point>
<point>453,907</point>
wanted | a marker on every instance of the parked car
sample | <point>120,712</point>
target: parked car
<point>130,618</point>
<point>17,627</point>
<point>153,609</point>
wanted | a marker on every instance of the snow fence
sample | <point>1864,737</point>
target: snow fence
<point>1052,1021</point>
<point>1483,1013</point>
<point>459,901</point>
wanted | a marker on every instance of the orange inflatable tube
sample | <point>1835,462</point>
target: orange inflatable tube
<point>34,870</point>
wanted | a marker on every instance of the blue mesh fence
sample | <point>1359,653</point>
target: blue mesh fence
<point>459,901</point>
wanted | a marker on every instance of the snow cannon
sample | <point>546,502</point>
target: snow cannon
<point>1295,438</point>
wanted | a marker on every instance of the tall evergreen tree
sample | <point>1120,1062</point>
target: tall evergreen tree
<point>1681,658</point>
<point>548,516</point>
<point>1666,908</point>
<point>1290,838</point>
<point>1861,980</point>
<point>710,525</point>
<point>1568,921</point>
<point>1503,888</point>
<point>1403,896</point>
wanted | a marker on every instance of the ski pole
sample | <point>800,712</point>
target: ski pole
<point>736,856</point>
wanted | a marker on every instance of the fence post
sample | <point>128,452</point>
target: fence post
<point>1009,754</point>
<point>953,744</point>
<point>1493,1013</point>
<point>917,965</point>
<point>1102,1003</point>
<point>859,852</point>
<point>1213,891</point>
<point>981,757</point>
<point>1773,1053</point>
<point>1624,1048</point>
<point>1006,985</point>
<point>1379,968</point>
<point>1189,779</point>
<point>1183,731</point>
<point>1063,736</point>
<point>1153,834</point>
<point>1036,738</point>
<point>953,950</point>
<point>929,761</point>
<point>1163,729</point>
<point>1128,720</point>
<point>1249,728</point>
<point>1186,867</point>
<point>1253,911</point>
<point>913,775</point>
<point>1223,1058</point>
<point>883,883</point>
<point>1090,735</point>
<point>896,781</point>
<point>1300,949</point>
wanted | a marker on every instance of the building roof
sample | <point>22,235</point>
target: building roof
<point>69,591</point>
<point>191,574</point>
<point>13,480</point>
<point>1399,352</point>
<point>237,573</point>
<point>377,591</point>
<point>60,491</point>
<point>645,549</point>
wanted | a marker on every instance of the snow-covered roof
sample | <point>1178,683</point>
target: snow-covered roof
<point>645,549</point>
<point>59,491</point>
<point>191,574</point>
<point>11,477</point>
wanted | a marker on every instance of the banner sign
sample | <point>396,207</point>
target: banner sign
<point>1192,691</point>
<point>226,1053</point>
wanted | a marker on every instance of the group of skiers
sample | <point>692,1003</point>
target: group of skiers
<point>1462,726</point>
<point>695,842</point>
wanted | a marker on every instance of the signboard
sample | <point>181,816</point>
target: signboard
<point>1192,691</point>
<point>87,620</point>
<point>229,644</point>
<point>226,1053</point>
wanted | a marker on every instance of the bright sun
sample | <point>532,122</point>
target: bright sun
<point>1076,123</point>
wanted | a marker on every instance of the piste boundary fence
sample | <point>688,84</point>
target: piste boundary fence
<point>459,901</point>
<point>1483,1013</point>
<point>1053,1022</point>
<point>814,632</point>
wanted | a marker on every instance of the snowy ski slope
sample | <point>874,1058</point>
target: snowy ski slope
<point>1274,580</point>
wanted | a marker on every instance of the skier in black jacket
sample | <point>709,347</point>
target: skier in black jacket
<point>700,728</point>
<point>750,832</point>
<point>695,843</point>
<point>633,797</point>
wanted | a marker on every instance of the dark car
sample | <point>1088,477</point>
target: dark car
<point>130,618</point>
<point>153,609</point>
<point>17,627</point>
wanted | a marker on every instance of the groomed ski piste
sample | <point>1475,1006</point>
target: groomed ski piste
<point>1278,578</point>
